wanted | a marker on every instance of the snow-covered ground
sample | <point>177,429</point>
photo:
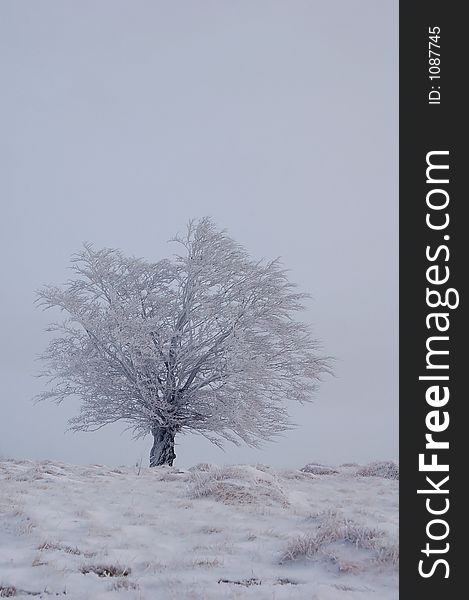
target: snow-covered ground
<point>206,533</point>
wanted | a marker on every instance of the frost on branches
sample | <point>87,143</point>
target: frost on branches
<point>204,342</point>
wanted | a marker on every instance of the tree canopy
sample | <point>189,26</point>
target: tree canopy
<point>205,341</point>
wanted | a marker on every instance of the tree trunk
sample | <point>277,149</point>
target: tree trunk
<point>162,451</point>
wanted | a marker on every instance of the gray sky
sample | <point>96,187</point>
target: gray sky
<point>120,120</point>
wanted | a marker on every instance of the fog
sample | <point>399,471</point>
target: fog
<point>120,121</point>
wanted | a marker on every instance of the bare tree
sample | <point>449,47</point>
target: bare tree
<point>204,342</point>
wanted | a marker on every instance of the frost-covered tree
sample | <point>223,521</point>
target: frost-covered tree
<point>204,342</point>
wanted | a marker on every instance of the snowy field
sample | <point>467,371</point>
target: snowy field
<point>206,533</point>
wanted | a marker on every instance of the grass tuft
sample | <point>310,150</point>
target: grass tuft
<point>387,469</point>
<point>335,536</point>
<point>106,570</point>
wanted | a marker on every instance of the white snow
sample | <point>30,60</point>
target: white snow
<point>174,534</point>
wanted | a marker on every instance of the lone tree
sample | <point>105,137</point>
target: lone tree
<point>204,342</point>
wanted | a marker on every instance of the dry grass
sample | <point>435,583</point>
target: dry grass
<point>20,523</point>
<point>237,486</point>
<point>294,474</point>
<point>38,562</point>
<point>10,591</point>
<point>208,529</point>
<point>106,570</point>
<point>62,548</point>
<point>123,584</point>
<point>285,581</point>
<point>316,469</point>
<point>335,536</point>
<point>387,469</point>
<point>204,467</point>
<point>204,563</point>
<point>243,582</point>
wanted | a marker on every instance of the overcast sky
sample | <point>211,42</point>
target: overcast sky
<point>120,120</point>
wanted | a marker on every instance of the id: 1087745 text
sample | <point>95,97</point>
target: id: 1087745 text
<point>434,60</point>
